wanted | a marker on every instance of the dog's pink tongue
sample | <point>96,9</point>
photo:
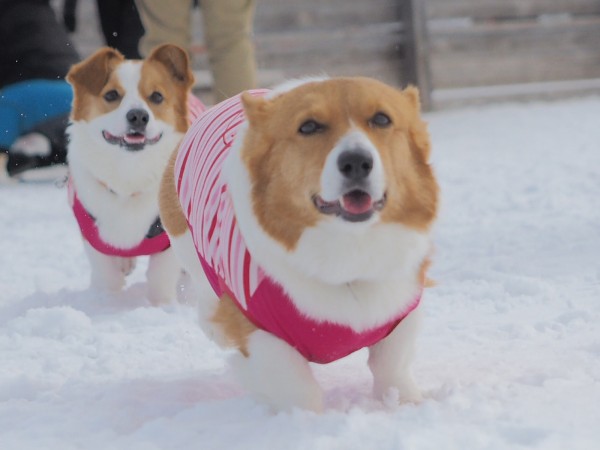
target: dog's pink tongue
<point>357,202</point>
<point>134,138</point>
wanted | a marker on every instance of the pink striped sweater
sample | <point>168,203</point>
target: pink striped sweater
<point>224,256</point>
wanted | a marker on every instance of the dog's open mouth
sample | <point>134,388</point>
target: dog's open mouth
<point>354,206</point>
<point>133,140</point>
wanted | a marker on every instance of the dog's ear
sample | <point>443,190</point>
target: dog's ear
<point>92,73</point>
<point>418,134</point>
<point>176,61</point>
<point>255,108</point>
<point>412,95</point>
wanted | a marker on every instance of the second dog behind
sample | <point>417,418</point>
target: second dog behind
<point>127,118</point>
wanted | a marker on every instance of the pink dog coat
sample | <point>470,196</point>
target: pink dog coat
<point>225,259</point>
<point>155,241</point>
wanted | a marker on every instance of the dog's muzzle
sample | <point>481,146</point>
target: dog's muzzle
<point>135,139</point>
<point>354,206</point>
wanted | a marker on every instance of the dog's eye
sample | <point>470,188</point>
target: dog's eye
<point>112,96</point>
<point>311,127</point>
<point>156,97</point>
<point>380,120</point>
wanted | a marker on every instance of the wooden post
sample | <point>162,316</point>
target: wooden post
<point>414,20</point>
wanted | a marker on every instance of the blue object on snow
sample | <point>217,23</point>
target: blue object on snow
<point>28,103</point>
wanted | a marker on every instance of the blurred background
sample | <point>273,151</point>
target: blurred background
<point>456,51</point>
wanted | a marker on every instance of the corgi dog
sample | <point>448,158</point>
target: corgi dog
<point>303,215</point>
<point>127,118</point>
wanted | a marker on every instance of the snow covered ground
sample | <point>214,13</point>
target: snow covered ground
<point>509,357</point>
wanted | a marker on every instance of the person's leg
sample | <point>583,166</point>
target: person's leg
<point>130,31</point>
<point>165,22</point>
<point>121,26</point>
<point>108,13</point>
<point>228,36</point>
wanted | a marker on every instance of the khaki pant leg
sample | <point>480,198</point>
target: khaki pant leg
<point>165,21</point>
<point>228,36</point>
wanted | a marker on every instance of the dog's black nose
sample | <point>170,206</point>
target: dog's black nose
<point>138,118</point>
<point>355,165</point>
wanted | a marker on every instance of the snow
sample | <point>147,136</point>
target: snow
<point>508,358</point>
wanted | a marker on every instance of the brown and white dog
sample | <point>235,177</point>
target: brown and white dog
<point>303,215</point>
<point>127,118</point>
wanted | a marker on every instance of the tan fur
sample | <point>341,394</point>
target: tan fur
<point>413,197</point>
<point>90,79</point>
<point>171,214</point>
<point>285,166</point>
<point>168,62</point>
<point>423,279</point>
<point>235,326</point>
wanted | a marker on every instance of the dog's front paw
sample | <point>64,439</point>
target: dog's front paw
<point>409,393</point>
<point>126,265</point>
<point>163,274</point>
<point>402,391</point>
<point>278,375</point>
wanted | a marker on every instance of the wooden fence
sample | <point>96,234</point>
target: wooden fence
<point>336,37</point>
<point>455,50</point>
<point>502,48</point>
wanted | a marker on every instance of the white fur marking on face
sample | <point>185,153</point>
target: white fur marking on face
<point>129,75</point>
<point>332,181</point>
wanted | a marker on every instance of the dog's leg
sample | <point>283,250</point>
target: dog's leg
<point>390,359</point>
<point>277,374</point>
<point>267,366</point>
<point>182,243</point>
<point>185,251</point>
<point>108,272</point>
<point>176,225</point>
<point>163,274</point>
